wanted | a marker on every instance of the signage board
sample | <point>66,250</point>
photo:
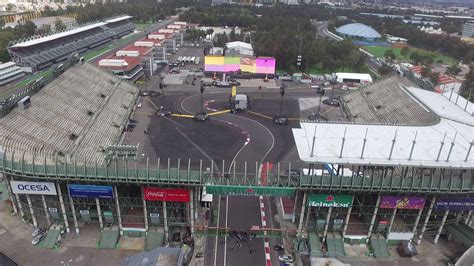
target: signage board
<point>91,191</point>
<point>39,188</point>
<point>164,194</point>
<point>330,200</point>
<point>53,209</point>
<point>455,204</point>
<point>250,191</point>
<point>84,211</point>
<point>155,215</point>
<point>402,202</point>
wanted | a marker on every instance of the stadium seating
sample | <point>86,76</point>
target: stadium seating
<point>77,115</point>
<point>387,102</point>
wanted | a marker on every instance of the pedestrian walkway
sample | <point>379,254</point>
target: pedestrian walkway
<point>51,239</point>
<point>109,237</point>
<point>154,240</point>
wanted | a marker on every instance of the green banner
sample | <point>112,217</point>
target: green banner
<point>250,190</point>
<point>330,200</point>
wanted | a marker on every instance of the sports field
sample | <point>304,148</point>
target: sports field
<point>379,51</point>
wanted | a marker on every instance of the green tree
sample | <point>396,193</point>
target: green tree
<point>390,54</point>
<point>5,38</point>
<point>59,25</point>
<point>405,51</point>
<point>434,77</point>
<point>453,70</point>
<point>426,72</point>
<point>384,69</point>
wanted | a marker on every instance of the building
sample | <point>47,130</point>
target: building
<point>393,39</point>
<point>134,51</point>
<point>358,31</point>
<point>124,67</point>
<point>353,77</point>
<point>38,53</point>
<point>468,29</point>
<point>9,71</point>
<point>239,48</point>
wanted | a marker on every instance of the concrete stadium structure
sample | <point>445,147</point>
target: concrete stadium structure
<point>381,178</point>
<point>38,53</point>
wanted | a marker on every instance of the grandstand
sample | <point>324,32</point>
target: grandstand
<point>38,53</point>
<point>387,102</point>
<point>75,117</point>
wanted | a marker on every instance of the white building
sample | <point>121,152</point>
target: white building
<point>9,71</point>
<point>241,48</point>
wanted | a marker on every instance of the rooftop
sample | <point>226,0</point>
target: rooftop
<point>358,30</point>
<point>74,117</point>
<point>444,143</point>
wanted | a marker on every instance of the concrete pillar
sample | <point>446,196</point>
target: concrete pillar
<point>372,221</point>
<point>46,212</point>
<point>119,213</point>
<point>99,213</point>
<point>348,217</point>
<point>427,218</point>
<point>20,207</point>
<point>145,212</point>
<point>417,220</point>
<point>303,207</point>
<point>468,218</point>
<point>440,229</point>
<point>11,196</point>
<point>392,219</point>
<point>326,226</point>
<point>63,208</point>
<point>32,212</point>
<point>294,208</point>
<point>191,207</point>
<point>74,216</point>
<point>165,220</point>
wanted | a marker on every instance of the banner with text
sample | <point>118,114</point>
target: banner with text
<point>250,190</point>
<point>39,188</point>
<point>455,204</point>
<point>402,202</point>
<point>330,200</point>
<point>166,194</point>
<point>91,191</point>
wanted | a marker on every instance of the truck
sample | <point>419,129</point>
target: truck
<point>239,102</point>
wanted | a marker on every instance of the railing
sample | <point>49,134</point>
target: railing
<point>436,183</point>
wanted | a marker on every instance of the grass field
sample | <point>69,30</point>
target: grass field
<point>379,52</point>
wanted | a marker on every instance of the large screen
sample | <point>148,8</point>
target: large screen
<point>260,65</point>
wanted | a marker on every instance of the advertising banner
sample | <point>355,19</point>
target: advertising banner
<point>248,64</point>
<point>260,65</point>
<point>402,202</point>
<point>250,191</point>
<point>330,200</point>
<point>169,195</point>
<point>39,188</point>
<point>91,191</point>
<point>455,204</point>
<point>266,65</point>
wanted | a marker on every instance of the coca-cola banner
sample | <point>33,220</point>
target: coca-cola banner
<point>166,194</point>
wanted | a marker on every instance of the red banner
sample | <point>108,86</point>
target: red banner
<point>164,194</point>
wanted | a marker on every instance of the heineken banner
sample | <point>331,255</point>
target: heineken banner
<point>330,200</point>
<point>250,191</point>
<point>402,202</point>
<point>455,204</point>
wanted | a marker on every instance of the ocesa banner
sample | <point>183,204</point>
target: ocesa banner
<point>39,188</point>
<point>163,194</point>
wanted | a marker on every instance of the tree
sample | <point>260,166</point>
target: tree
<point>453,70</point>
<point>405,51</point>
<point>434,77</point>
<point>384,69</point>
<point>426,72</point>
<point>59,25</point>
<point>390,54</point>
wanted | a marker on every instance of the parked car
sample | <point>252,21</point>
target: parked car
<point>38,238</point>
<point>331,102</point>
<point>133,121</point>
<point>286,258</point>
<point>139,105</point>
<point>38,231</point>
<point>201,117</point>
<point>280,120</point>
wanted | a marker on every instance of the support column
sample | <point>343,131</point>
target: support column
<point>11,196</point>
<point>74,216</point>
<point>99,213</point>
<point>372,221</point>
<point>394,212</point>
<point>417,220</point>
<point>293,220</point>
<point>119,213</point>
<point>427,218</point>
<point>145,212</point>
<point>20,207</point>
<point>303,206</point>
<point>191,207</point>
<point>468,218</point>
<point>46,212</point>
<point>348,217</point>
<point>32,212</point>
<point>165,220</point>
<point>440,229</point>
<point>63,208</point>
<point>326,226</point>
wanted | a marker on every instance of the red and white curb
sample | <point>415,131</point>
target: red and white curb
<point>266,243</point>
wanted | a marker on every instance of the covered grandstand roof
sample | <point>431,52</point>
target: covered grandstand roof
<point>67,33</point>
<point>414,145</point>
<point>76,116</point>
<point>122,63</point>
<point>358,30</point>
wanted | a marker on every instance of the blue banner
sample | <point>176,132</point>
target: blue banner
<point>455,204</point>
<point>91,191</point>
